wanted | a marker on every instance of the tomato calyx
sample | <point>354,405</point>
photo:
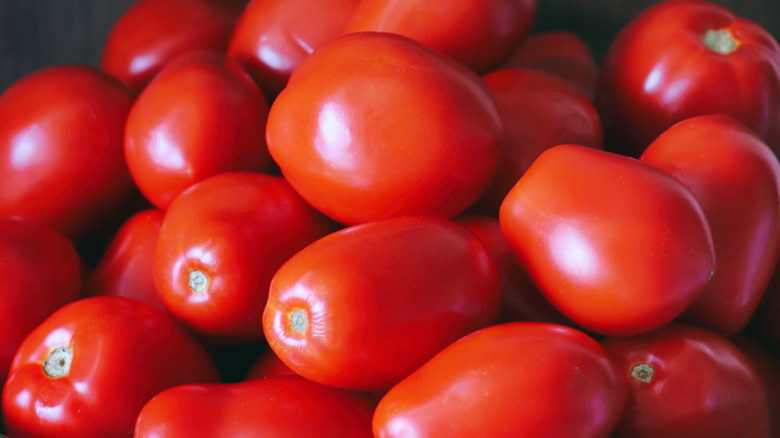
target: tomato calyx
<point>720,41</point>
<point>642,372</point>
<point>198,281</point>
<point>299,321</point>
<point>57,363</point>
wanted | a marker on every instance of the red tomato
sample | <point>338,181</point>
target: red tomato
<point>477,33</point>
<point>61,156</point>
<point>127,268</point>
<point>615,244</point>
<point>735,177</point>
<point>767,366</point>
<point>364,307</point>
<point>685,58</point>
<point>513,380</point>
<point>268,365</point>
<point>273,36</point>
<point>153,32</point>
<point>276,407</point>
<point>91,366</point>
<point>201,115</point>
<point>221,242</point>
<point>687,382</point>
<point>373,126</point>
<point>41,272</point>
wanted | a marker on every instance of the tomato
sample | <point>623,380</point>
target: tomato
<point>373,126</point>
<point>268,365</point>
<point>274,407</point>
<point>127,268</point>
<point>41,272</point>
<point>61,156</point>
<point>365,306</point>
<point>89,368</point>
<point>514,380</point>
<point>151,33</point>
<point>221,242</point>
<point>201,115</point>
<point>685,58</point>
<point>273,36</point>
<point>477,33</point>
<point>617,245</point>
<point>538,111</point>
<point>735,177</point>
<point>687,382</point>
<point>767,365</point>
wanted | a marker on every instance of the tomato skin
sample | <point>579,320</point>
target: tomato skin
<point>151,33</point>
<point>373,126</point>
<point>236,229</point>
<point>272,407</point>
<point>476,33</point>
<point>585,225</point>
<point>268,364</point>
<point>735,177</point>
<point>701,386</point>
<point>201,115</point>
<point>124,352</point>
<point>272,37</point>
<point>659,71</point>
<point>61,148</point>
<point>379,299</point>
<point>521,379</point>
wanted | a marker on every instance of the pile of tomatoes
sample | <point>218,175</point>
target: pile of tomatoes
<point>394,218</point>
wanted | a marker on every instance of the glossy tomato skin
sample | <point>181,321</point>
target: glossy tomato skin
<point>373,126</point>
<point>478,34</point>
<point>221,242</point>
<point>365,306</point>
<point>275,407</point>
<point>659,71</point>
<point>617,245</point>
<point>152,33</point>
<point>272,37</point>
<point>41,272</point>
<point>735,177</point>
<point>122,353</point>
<point>201,115</point>
<point>688,382</point>
<point>61,158</point>
<point>519,379</point>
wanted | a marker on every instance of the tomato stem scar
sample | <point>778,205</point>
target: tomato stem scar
<point>299,320</point>
<point>57,363</point>
<point>720,41</point>
<point>198,281</point>
<point>643,372</point>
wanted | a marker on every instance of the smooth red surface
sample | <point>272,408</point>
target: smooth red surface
<point>513,380</point>
<point>380,299</point>
<point>268,365</point>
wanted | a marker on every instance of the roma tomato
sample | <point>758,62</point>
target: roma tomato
<point>153,32</point>
<point>275,407</point>
<point>91,366</point>
<point>687,382</point>
<point>268,365</point>
<point>273,36</point>
<point>61,135</point>
<point>735,177</point>
<point>617,245</point>
<point>221,242</point>
<point>685,58</point>
<point>373,126</point>
<point>365,306</point>
<point>477,33</point>
<point>201,115</point>
<point>515,380</point>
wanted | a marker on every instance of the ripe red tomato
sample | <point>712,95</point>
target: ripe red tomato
<point>288,406</point>
<point>91,366</point>
<point>365,306</point>
<point>685,58</point>
<point>687,382</point>
<point>268,365</point>
<point>221,242</point>
<point>153,32</point>
<point>61,158</point>
<point>272,37</point>
<point>477,33</point>
<point>615,244</point>
<point>735,177</point>
<point>514,380</point>
<point>201,115</point>
<point>373,126</point>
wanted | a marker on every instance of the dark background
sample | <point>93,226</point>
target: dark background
<point>39,33</point>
